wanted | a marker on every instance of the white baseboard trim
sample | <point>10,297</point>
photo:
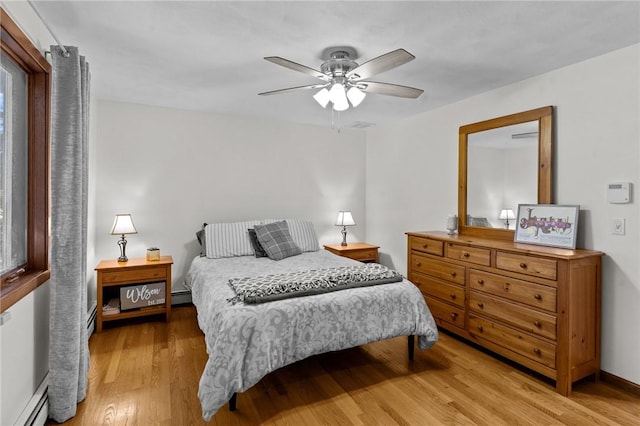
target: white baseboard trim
<point>36,411</point>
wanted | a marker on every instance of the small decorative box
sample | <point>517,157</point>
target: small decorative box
<point>153,253</point>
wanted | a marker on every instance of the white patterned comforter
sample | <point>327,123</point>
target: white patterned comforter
<point>246,342</point>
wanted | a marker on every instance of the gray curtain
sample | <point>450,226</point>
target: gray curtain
<point>68,340</point>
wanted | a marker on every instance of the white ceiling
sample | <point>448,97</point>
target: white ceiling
<point>208,55</point>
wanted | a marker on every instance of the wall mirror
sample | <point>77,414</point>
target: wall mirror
<point>503,162</point>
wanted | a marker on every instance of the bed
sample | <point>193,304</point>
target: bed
<point>245,341</point>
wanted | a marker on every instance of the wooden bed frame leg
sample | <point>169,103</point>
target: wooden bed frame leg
<point>232,402</point>
<point>412,344</point>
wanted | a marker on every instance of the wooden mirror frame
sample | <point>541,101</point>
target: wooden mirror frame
<point>544,116</point>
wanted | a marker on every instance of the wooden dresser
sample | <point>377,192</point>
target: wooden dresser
<point>538,306</point>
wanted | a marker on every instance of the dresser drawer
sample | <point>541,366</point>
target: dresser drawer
<point>526,345</point>
<point>534,266</point>
<point>133,275</point>
<point>527,319</point>
<point>475,255</point>
<point>438,269</point>
<point>427,245</point>
<point>443,312</point>
<point>430,286</point>
<point>532,294</point>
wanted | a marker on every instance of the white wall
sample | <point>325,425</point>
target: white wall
<point>411,180</point>
<point>174,169</point>
<point>24,338</point>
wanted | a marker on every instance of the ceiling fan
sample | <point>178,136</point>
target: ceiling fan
<point>344,81</point>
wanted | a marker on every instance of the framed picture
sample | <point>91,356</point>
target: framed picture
<point>547,225</point>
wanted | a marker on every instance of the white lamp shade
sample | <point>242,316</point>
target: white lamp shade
<point>355,96</point>
<point>322,97</point>
<point>123,225</point>
<point>506,214</point>
<point>345,219</point>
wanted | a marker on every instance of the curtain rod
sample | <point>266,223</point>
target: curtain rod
<point>65,52</point>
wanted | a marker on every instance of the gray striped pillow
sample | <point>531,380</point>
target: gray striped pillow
<point>229,239</point>
<point>303,234</point>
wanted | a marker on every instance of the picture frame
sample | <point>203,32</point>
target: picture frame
<point>547,225</point>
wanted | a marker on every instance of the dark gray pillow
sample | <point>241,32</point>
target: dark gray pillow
<point>257,248</point>
<point>276,240</point>
<point>200,235</point>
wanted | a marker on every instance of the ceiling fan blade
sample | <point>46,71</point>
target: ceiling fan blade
<point>389,89</point>
<point>380,64</point>
<point>293,89</point>
<point>297,67</point>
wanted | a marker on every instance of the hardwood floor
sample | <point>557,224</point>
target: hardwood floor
<point>147,372</point>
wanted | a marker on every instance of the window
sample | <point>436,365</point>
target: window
<point>24,165</point>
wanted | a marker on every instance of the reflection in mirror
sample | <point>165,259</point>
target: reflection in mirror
<point>501,162</point>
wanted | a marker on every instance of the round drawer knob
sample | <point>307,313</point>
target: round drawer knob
<point>453,296</point>
<point>523,265</point>
<point>537,324</point>
<point>538,297</point>
<point>481,281</point>
<point>453,274</point>
<point>418,264</point>
<point>480,329</point>
<point>537,351</point>
<point>454,316</point>
<point>480,305</point>
<point>465,254</point>
<point>424,246</point>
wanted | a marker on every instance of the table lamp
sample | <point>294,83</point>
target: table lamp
<point>344,219</point>
<point>506,214</point>
<point>123,225</point>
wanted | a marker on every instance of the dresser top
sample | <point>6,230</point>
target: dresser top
<point>507,245</point>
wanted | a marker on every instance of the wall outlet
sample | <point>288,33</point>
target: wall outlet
<point>617,226</point>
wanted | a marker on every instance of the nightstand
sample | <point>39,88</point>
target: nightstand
<point>145,281</point>
<point>357,251</point>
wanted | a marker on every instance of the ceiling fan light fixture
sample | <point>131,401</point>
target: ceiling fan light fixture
<point>355,96</point>
<point>322,97</point>
<point>337,94</point>
<point>341,106</point>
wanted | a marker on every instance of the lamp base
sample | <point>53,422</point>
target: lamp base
<point>122,242</point>
<point>344,236</point>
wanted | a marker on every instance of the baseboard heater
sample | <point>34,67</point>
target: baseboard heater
<point>37,410</point>
<point>180,297</point>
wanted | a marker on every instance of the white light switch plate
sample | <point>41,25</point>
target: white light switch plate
<point>617,226</point>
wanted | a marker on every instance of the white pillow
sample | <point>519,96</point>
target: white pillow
<point>232,239</point>
<point>303,234</point>
<point>229,239</point>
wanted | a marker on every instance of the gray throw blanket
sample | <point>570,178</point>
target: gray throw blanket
<point>268,288</point>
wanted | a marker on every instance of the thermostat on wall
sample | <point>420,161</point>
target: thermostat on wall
<point>619,193</point>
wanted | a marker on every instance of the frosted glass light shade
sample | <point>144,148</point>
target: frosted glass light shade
<point>355,96</point>
<point>322,97</point>
<point>123,225</point>
<point>337,95</point>
<point>345,219</point>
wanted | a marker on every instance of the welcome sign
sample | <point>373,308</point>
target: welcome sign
<point>142,295</point>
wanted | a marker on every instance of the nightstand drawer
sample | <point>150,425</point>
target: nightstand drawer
<point>370,254</point>
<point>134,275</point>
